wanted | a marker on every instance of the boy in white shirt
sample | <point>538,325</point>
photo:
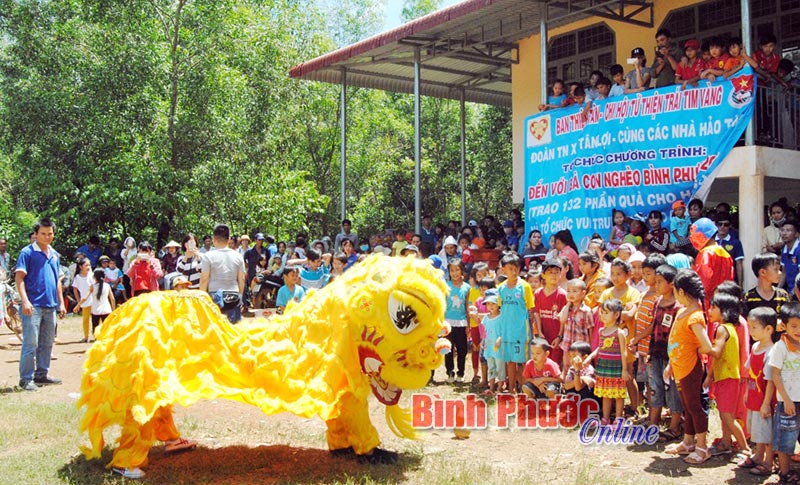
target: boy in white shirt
<point>784,361</point>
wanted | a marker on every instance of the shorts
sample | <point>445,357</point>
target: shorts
<point>515,351</point>
<point>661,393</point>
<point>496,368</point>
<point>641,369</point>
<point>727,395</point>
<point>785,430</point>
<point>760,427</point>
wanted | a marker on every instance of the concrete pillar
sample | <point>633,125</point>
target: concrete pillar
<point>751,221</point>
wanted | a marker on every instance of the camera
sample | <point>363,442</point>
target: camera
<point>632,61</point>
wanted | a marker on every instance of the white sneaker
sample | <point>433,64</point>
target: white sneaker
<point>460,380</point>
<point>450,379</point>
<point>132,473</point>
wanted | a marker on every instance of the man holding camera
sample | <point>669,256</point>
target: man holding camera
<point>665,64</point>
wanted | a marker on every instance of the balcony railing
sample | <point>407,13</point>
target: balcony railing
<point>777,117</point>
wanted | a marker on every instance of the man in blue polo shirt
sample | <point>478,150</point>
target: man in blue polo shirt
<point>39,287</point>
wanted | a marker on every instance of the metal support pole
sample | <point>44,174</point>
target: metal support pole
<point>343,142</point>
<point>463,160</point>
<point>417,157</point>
<point>543,53</point>
<point>745,5</point>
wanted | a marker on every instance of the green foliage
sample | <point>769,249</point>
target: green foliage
<point>155,118</point>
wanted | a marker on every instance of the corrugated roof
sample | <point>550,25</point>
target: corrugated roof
<point>469,46</point>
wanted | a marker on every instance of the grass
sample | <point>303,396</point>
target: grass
<point>239,445</point>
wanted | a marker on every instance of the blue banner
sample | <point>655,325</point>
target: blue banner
<point>636,153</point>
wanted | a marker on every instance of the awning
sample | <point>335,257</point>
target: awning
<point>469,46</point>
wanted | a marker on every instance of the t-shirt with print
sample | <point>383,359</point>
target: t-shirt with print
<point>456,310</point>
<point>788,361</point>
<point>663,319</point>
<point>768,63</point>
<point>753,299</point>
<point>549,369</point>
<point>492,326</point>
<point>548,308</point>
<point>690,70</point>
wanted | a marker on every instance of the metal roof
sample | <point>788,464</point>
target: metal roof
<point>468,46</point>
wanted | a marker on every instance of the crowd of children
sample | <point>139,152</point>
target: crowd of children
<point>686,65</point>
<point>658,322</point>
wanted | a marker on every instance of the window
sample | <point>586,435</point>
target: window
<point>576,54</point>
<point>723,18</point>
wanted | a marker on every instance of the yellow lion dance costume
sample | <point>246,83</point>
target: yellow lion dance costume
<point>376,328</point>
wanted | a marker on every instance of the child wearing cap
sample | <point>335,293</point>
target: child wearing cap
<point>638,79</point>
<point>491,344</point>
<point>549,301</point>
<point>689,73</point>
<point>679,226</point>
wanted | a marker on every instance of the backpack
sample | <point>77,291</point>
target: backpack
<point>142,276</point>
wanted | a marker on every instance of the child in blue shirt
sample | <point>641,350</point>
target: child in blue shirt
<point>290,291</point>
<point>456,316</point>
<point>516,299</point>
<point>313,274</point>
<point>679,226</point>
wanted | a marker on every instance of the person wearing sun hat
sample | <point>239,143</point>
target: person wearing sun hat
<point>170,260</point>
<point>410,250</point>
<point>713,264</point>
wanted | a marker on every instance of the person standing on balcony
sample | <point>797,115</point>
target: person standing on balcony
<point>665,63</point>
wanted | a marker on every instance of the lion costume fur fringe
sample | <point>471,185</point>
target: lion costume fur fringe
<point>375,328</point>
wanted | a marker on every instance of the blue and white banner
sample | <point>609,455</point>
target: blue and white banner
<point>636,153</point>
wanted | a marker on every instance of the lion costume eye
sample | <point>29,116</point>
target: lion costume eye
<point>403,316</point>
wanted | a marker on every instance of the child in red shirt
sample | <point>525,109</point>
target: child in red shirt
<point>689,74</point>
<point>549,301</point>
<point>541,375</point>
<point>715,66</point>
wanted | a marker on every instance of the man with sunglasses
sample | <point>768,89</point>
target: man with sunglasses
<point>732,245</point>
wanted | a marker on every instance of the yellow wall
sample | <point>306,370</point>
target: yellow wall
<point>525,77</point>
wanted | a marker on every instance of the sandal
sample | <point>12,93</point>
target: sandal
<point>697,457</point>
<point>761,470</point>
<point>748,463</point>
<point>716,450</point>
<point>789,477</point>
<point>668,436</point>
<point>679,449</point>
<point>796,458</point>
<point>179,444</point>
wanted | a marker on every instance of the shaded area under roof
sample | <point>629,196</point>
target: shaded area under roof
<point>469,47</point>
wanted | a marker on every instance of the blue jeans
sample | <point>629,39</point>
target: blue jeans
<point>38,332</point>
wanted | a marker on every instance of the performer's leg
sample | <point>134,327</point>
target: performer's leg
<point>353,428</point>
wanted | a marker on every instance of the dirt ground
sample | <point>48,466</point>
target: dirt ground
<point>239,444</point>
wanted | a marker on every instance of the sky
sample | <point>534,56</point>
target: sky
<point>393,12</point>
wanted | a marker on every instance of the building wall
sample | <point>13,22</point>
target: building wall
<point>526,86</point>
